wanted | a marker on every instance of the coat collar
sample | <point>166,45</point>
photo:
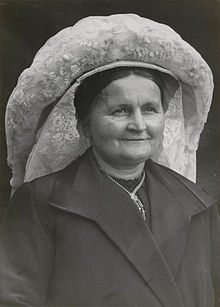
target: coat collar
<point>151,254</point>
<point>174,201</point>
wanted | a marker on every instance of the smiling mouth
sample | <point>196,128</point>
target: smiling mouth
<point>136,140</point>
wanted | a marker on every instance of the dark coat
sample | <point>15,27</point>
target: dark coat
<point>74,238</point>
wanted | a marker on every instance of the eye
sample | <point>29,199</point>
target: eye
<point>149,109</point>
<point>121,111</point>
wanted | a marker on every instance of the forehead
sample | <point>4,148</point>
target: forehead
<point>131,88</point>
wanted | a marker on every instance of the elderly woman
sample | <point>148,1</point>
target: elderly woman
<point>97,221</point>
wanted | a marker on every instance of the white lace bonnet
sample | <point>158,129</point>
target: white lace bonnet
<point>41,127</point>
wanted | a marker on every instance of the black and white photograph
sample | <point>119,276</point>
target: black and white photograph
<point>110,153</point>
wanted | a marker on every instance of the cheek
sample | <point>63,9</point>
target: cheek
<point>105,130</point>
<point>156,127</point>
<point>161,126</point>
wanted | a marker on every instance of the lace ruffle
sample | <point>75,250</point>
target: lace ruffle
<point>41,127</point>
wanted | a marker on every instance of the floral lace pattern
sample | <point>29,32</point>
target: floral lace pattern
<point>41,128</point>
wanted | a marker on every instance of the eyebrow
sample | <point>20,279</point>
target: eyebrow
<point>121,105</point>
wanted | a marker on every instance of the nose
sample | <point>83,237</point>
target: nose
<point>137,122</point>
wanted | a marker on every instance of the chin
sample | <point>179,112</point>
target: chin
<point>140,153</point>
<point>137,158</point>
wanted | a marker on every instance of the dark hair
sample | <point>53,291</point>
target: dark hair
<point>93,85</point>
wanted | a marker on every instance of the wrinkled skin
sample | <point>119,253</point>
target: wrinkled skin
<point>126,122</point>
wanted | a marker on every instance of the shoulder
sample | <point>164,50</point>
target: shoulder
<point>30,200</point>
<point>194,187</point>
<point>176,175</point>
<point>40,188</point>
<point>180,185</point>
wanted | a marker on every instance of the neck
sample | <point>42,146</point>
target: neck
<point>124,173</point>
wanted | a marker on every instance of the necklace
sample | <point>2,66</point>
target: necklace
<point>133,195</point>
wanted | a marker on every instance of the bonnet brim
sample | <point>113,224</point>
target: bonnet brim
<point>41,107</point>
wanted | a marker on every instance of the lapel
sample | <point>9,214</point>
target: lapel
<point>174,200</point>
<point>152,255</point>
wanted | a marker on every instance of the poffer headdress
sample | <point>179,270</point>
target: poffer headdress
<point>41,127</point>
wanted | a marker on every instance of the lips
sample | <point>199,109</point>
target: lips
<point>137,139</point>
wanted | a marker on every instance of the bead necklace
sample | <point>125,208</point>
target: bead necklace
<point>133,195</point>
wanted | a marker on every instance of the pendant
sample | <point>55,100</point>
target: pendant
<point>139,204</point>
<point>134,197</point>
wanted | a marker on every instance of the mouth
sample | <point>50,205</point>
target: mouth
<point>137,140</point>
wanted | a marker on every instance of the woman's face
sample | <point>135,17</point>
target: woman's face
<point>126,122</point>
